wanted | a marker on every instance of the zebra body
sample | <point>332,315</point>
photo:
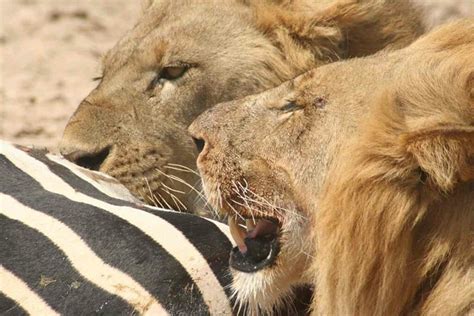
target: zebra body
<point>70,245</point>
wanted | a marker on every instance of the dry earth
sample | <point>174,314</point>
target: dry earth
<point>50,50</point>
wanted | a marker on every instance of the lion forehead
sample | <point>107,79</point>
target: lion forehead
<point>166,25</point>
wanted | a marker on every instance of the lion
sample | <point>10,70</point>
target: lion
<point>182,57</point>
<point>356,178</point>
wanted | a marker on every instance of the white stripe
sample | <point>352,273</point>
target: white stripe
<point>162,232</point>
<point>108,186</point>
<point>17,290</point>
<point>82,258</point>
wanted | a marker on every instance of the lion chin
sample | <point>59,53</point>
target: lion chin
<point>361,187</point>
<point>257,294</point>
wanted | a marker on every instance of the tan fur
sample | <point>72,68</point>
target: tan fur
<point>368,166</point>
<point>394,227</point>
<point>233,48</point>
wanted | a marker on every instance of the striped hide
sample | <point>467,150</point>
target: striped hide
<point>70,245</point>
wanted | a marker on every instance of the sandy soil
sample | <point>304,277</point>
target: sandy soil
<point>50,50</point>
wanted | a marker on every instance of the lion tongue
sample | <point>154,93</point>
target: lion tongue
<point>263,227</point>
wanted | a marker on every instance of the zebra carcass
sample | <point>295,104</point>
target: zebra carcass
<point>70,244</point>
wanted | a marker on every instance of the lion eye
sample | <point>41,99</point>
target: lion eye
<point>173,72</point>
<point>290,106</point>
<point>168,73</point>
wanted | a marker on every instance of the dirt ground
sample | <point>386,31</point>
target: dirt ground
<point>50,50</point>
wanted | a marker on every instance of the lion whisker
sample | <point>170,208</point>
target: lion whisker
<point>219,195</point>
<point>171,189</point>
<point>207,206</point>
<point>244,198</point>
<point>214,196</point>
<point>175,178</point>
<point>235,211</point>
<point>199,195</point>
<point>202,197</point>
<point>183,168</point>
<point>151,196</point>
<point>175,199</point>
<point>164,201</point>
<point>267,203</point>
<point>219,200</point>
<point>145,197</point>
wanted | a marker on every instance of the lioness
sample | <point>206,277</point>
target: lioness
<point>184,56</point>
<point>393,232</point>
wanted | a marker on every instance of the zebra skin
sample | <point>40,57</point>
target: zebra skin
<point>71,245</point>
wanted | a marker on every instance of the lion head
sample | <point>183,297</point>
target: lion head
<point>265,159</point>
<point>182,57</point>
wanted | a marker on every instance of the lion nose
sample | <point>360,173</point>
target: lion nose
<point>88,160</point>
<point>200,143</point>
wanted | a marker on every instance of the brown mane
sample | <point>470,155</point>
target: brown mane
<point>394,230</point>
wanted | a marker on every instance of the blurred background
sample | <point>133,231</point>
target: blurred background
<point>51,49</point>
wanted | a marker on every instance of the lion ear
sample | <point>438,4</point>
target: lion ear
<point>445,153</point>
<point>345,28</point>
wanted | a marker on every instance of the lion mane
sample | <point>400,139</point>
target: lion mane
<point>394,231</point>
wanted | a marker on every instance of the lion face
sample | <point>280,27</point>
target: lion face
<point>248,167</point>
<point>265,159</point>
<point>176,62</point>
<point>181,59</point>
<point>260,157</point>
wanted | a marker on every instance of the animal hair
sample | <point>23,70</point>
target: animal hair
<point>394,227</point>
<point>333,30</point>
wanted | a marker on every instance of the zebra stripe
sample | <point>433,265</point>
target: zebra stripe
<point>19,291</point>
<point>115,233</point>
<point>34,259</point>
<point>83,259</point>
<point>193,230</point>
<point>8,307</point>
<point>102,235</point>
<point>66,174</point>
<point>158,229</point>
<point>117,192</point>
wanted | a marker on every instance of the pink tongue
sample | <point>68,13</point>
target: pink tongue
<point>263,227</point>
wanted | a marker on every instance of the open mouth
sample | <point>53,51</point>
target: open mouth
<point>257,242</point>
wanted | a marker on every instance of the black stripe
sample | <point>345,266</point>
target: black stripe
<point>205,236</point>
<point>31,256</point>
<point>209,240</point>
<point>114,240</point>
<point>9,307</point>
<point>76,182</point>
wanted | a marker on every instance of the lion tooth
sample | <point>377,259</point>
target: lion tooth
<point>250,224</point>
<point>237,234</point>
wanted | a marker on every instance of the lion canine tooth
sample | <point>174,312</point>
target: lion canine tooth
<point>237,234</point>
<point>250,224</point>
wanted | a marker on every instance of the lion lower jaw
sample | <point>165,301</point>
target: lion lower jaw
<point>259,294</point>
<point>267,291</point>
